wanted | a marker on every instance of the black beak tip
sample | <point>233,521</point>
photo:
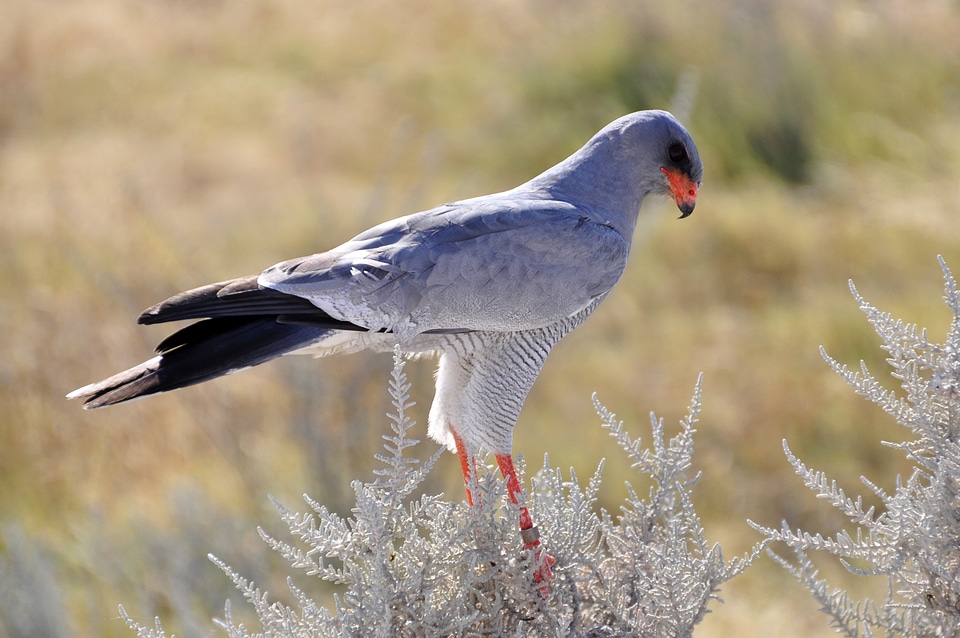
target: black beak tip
<point>686,210</point>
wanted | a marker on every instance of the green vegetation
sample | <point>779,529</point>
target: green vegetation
<point>152,146</point>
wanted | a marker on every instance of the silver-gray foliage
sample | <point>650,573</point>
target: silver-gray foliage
<point>425,566</point>
<point>914,539</point>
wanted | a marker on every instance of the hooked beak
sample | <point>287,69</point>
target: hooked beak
<point>684,190</point>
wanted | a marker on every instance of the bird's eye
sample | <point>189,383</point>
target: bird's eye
<point>677,152</point>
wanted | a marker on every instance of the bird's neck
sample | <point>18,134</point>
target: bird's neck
<point>600,183</point>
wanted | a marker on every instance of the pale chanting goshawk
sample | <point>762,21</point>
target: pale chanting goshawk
<point>488,284</point>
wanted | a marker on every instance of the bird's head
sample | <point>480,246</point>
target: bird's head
<point>668,159</point>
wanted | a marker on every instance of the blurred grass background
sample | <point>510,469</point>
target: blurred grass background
<point>148,147</point>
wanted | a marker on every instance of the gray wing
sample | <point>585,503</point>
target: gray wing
<point>492,264</point>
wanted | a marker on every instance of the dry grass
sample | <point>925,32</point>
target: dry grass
<point>146,147</point>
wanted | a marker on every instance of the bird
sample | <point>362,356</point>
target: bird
<point>488,285</point>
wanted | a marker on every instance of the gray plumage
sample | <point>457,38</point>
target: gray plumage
<point>489,284</point>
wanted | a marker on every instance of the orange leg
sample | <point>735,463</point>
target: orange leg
<point>528,532</point>
<point>468,464</point>
<point>505,461</point>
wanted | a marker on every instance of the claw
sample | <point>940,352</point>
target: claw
<point>543,562</point>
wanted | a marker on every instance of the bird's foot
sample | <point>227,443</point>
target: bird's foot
<point>542,561</point>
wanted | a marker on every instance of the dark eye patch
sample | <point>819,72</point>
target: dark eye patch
<point>676,152</point>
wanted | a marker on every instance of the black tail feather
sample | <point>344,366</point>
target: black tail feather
<point>200,352</point>
<point>242,297</point>
<point>242,324</point>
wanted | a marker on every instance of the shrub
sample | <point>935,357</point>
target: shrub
<point>913,541</point>
<point>424,566</point>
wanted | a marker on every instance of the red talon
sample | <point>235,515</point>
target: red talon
<point>543,574</point>
<point>542,561</point>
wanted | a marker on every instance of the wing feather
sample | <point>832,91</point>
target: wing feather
<point>496,264</point>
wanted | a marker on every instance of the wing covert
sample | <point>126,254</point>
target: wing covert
<point>505,265</point>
